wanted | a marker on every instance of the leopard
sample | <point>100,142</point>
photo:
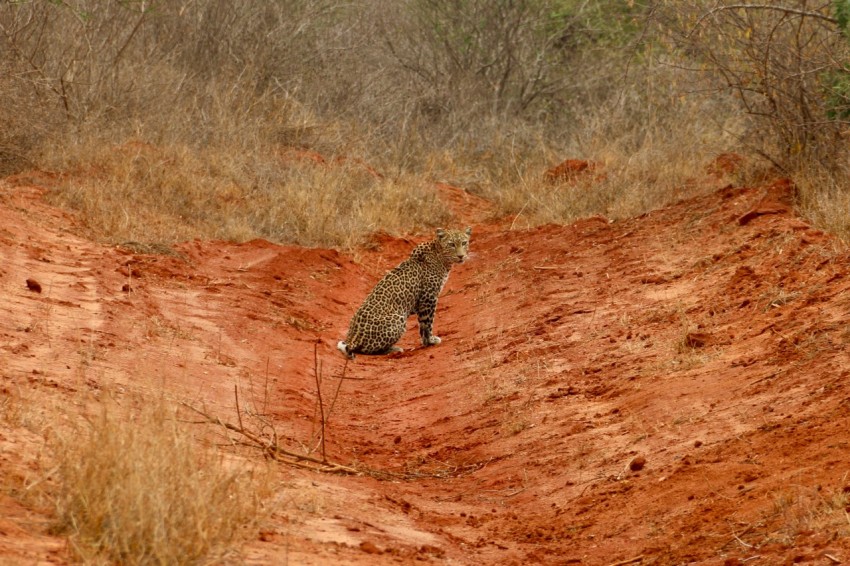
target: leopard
<point>410,288</point>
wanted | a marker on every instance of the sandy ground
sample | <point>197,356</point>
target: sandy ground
<point>670,389</point>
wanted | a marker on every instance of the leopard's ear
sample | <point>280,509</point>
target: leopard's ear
<point>441,232</point>
<point>469,230</point>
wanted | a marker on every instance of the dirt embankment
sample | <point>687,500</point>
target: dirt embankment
<point>669,389</point>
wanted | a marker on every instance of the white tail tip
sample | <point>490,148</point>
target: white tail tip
<point>344,349</point>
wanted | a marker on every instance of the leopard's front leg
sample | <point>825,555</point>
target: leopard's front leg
<point>425,311</point>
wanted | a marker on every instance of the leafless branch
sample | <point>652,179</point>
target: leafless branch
<point>783,9</point>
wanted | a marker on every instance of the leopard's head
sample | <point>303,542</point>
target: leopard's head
<point>454,244</point>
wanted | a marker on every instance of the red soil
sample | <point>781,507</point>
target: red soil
<point>668,389</point>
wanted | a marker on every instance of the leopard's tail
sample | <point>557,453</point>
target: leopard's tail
<point>343,347</point>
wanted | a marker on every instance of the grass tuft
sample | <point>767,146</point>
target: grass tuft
<point>140,490</point>
<point>804,510</point>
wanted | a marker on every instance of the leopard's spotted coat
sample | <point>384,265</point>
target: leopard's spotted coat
<point>410,288</point>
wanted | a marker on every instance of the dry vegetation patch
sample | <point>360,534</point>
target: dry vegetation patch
<point>138,489</point>
<point>140,193</point>
<point>182,122</point>
<point>180,112</point>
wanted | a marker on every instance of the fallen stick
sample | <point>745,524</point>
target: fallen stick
<point>274,450</point>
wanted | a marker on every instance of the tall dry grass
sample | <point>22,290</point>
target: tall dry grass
<point>175,125</point>
<point>139,192</point>
<point>479,94</point>
<point>824,198</point>
<point>648,144</point>
<point>138,489</point>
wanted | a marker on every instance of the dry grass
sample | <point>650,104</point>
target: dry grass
<point>824,199</point>
<point>258,188</point>
<point>137,489</point>
<point>805,510</point>
<point>137,192</point>
<point>11,408</point>
<point>648,145</point>
<point>162,135</point>
<point>170,130</point>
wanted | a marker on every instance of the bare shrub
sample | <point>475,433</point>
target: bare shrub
<point>478,94</point>
<point>139,490</point>
<point>490,83</point>
<point>487,57</point>
<point>650,143</point>
<point>783,62</point>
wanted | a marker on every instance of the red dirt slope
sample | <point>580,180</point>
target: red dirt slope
<point>671,389</point>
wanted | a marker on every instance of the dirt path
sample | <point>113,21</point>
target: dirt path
<point>670,389</point>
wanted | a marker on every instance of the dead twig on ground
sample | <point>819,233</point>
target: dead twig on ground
<point>317,372</point>
<point>338,386</point>
<point>238,412</point>
<point>634,560</point>
<point>320,407</point>
<point>272,450</point>
<point>742,543</point>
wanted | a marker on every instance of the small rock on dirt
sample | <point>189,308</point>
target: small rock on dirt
<point>637,463</point>
<point>33,285</point>
<point>369,547</point>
